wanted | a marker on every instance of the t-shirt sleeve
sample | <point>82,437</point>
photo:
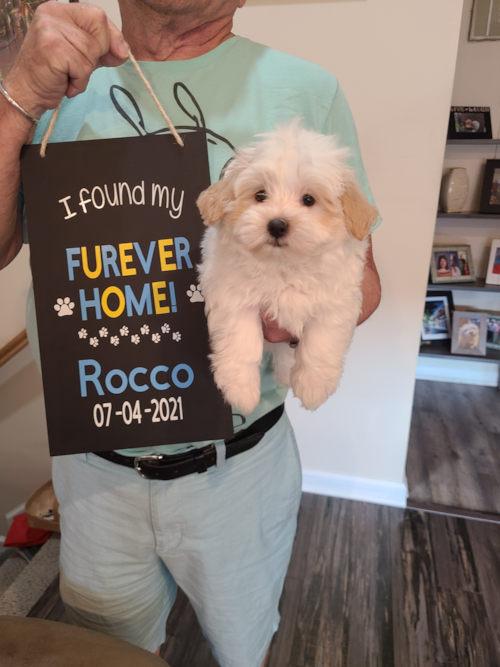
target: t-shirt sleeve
<point>341,123</point>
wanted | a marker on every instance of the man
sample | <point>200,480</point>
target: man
<point>225,536</point>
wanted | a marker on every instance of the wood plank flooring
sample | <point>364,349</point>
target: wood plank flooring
<point>454,448</point>
<point>370,586</point>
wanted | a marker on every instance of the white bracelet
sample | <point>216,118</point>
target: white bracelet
<point>15,104</point>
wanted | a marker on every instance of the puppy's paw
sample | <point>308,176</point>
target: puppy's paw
<point>242,391</point>
<point>243,398</point>
<point>309,389</point>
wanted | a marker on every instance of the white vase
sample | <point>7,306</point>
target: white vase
<point>454,190</point>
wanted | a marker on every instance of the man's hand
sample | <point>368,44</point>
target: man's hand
<point>272,332</point>
<point>64,45</point>
<point>370,288</point>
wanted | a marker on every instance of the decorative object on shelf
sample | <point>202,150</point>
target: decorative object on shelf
<point>485,21</point>
<point>452,264</point>
<point>493,275</point>
<point>436,322</point>
<point>493,332</point>
<point>469,333</point>
<point>454,190</point>
<point>468,123</point>
<point>490,194</point>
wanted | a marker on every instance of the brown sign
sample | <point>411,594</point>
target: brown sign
<point>115,234</point>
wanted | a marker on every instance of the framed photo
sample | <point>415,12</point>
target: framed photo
<point>470,123</point>
<point>490,195</point>
<point>15,19</point>
<point>485,21</point>
<point>469,333</point>
<point>452,264</point>
<point>493,332</point>
<point>493,275</point>
<point>436,322</point>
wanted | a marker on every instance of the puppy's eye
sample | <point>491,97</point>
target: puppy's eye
<point>260,195</point>
<point>308,200</point>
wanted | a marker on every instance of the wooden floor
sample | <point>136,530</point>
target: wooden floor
<point>454,449</point>
<point>370,586</point>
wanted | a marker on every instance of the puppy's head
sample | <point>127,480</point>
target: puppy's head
<point>469,335</point>
<point>290,193</point>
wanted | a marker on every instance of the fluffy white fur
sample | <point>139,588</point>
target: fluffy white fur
<point>308,280</point>
<point>468,335</point>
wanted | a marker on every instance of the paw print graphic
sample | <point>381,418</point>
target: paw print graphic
<point>156,338</point>
<point>165,328</point>
<point>114,340</point>
<point>135,339</point>
<point>64,306</point>
<point>103,333</point>
<point>144,330</point>
<point>195,294</point>
<point>176,336</point>
<point>124,331</point>
<point>82,333</point>
<point>94,342</point>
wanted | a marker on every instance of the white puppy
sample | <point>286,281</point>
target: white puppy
<point>288,238</point>
<point>468,335</point>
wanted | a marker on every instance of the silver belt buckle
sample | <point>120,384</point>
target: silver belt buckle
<point>139,459</point>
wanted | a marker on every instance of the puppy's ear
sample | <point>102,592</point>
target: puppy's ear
<point>213,201</point>
<point>359,214</point>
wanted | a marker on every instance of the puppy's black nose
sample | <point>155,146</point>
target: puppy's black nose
<point>278,228</point>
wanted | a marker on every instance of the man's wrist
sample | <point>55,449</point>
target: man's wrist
<point>14,126</point>
<point>17,90</point>
<point>17,106</point>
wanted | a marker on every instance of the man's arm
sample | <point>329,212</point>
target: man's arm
<point>63,46</point>
<point>15,130</point>
<point>370,288</point>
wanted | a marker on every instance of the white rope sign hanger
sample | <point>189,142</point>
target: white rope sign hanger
<point>53,120</point>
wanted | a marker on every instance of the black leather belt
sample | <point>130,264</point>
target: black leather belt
<point>165,466</point>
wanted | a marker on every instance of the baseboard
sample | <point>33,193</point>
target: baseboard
<point>458,370</point>
<point>365,490</point>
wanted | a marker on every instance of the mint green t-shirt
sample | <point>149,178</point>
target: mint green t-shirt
<point>232,93</point>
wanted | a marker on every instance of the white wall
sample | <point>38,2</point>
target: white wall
<point>25,461</point>
<point>395,61</point>
<point>24,453</point>
<point>14,283</point>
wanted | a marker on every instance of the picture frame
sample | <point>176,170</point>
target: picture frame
<point>468,123</point>
<point>436,320</point>
<point>493,331</point>
<point>490,194</point>
<point>485,21</point>
<point>469,330</point>
<point>457,266</point>
<point>493,275</point>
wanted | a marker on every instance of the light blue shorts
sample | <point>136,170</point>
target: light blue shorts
<point>224,536</point>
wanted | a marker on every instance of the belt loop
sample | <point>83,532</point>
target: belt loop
<point>220,450</point>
